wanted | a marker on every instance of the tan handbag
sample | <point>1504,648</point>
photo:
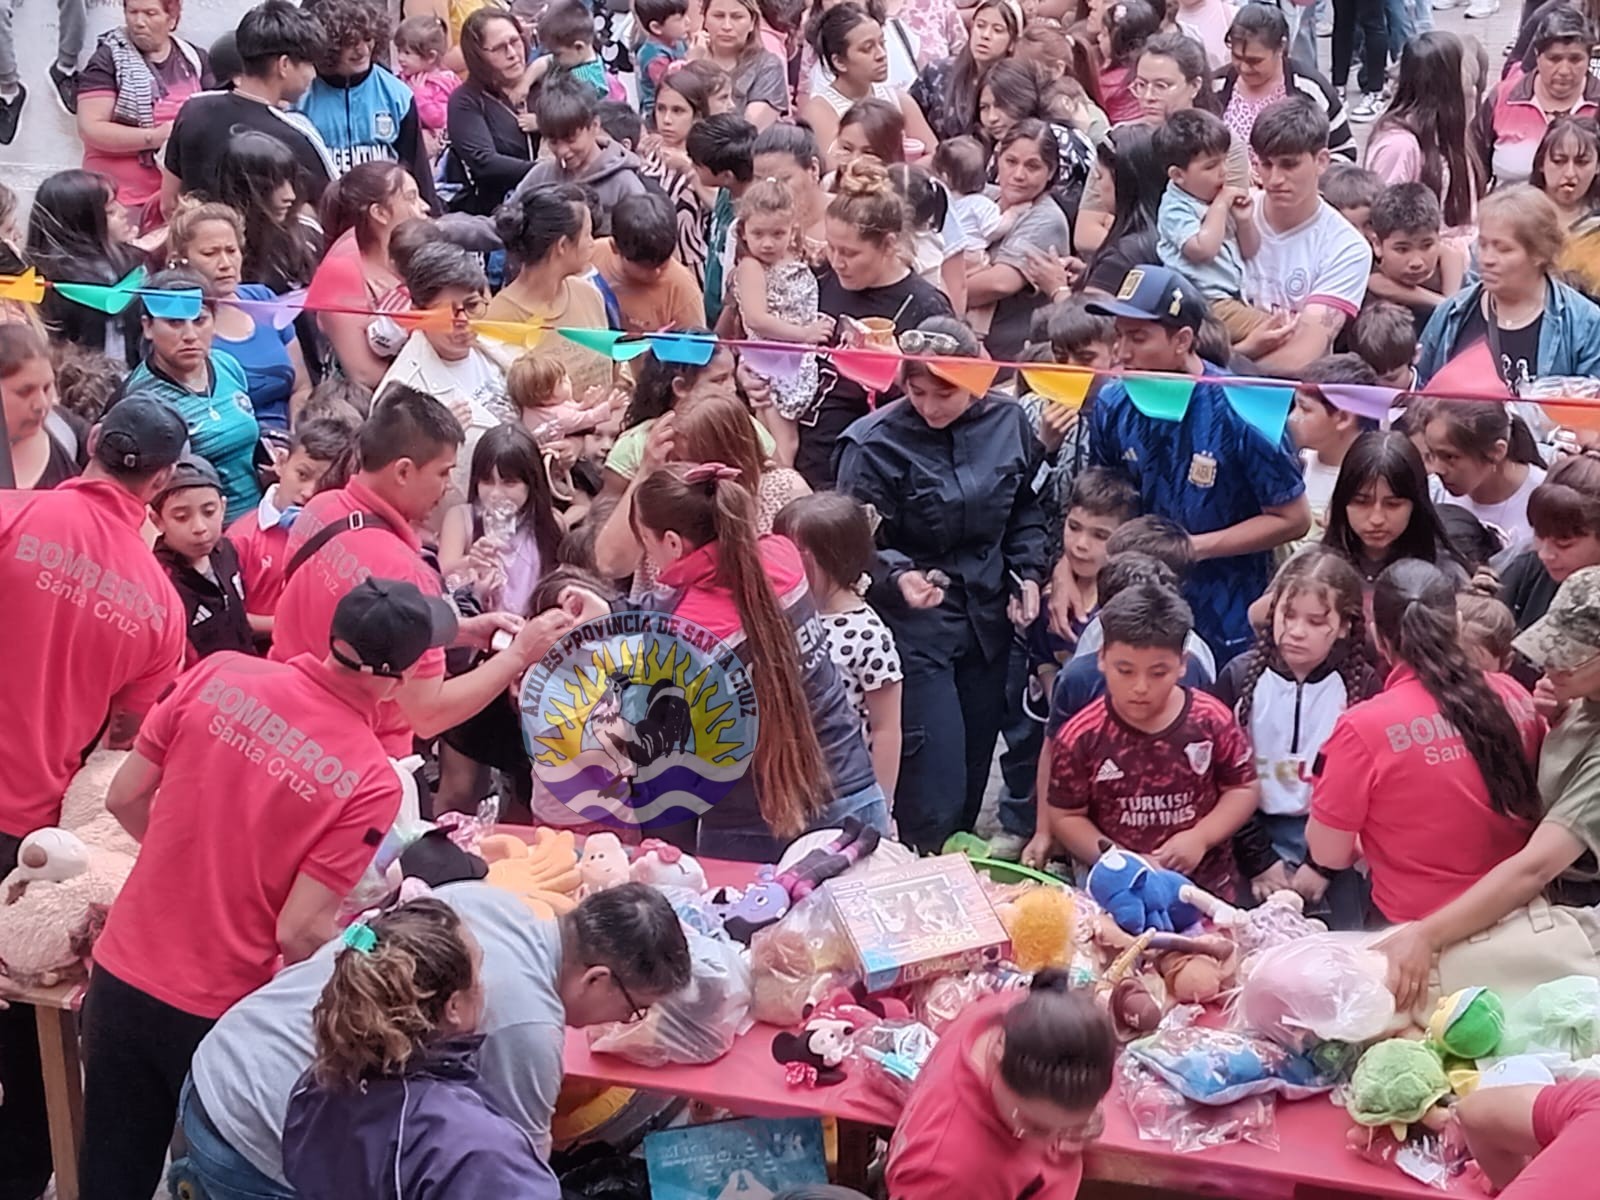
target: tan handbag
<point>1535,944</point>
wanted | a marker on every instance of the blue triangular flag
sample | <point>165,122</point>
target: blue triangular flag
<point>1262,406</point>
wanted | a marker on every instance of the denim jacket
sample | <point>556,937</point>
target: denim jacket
<point>1569,339</point>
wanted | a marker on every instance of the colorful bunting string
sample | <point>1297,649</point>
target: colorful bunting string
<point>1264,407</point>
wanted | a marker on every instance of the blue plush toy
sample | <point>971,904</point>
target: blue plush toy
<point>1140,895</point>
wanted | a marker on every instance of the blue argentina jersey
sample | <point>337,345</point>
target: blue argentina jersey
<point>360,123</point>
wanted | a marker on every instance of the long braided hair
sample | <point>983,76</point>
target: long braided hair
<point>1329,577</point>
<point>1414,610</point>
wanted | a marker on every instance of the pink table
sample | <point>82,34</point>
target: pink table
<point>1312,1162</point>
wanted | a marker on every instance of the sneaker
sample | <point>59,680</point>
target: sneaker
<point>1443,5</point>
<point>11,115</point>
<point>66,89</point>
<point>1480,9</point>
<point>1007,847</point>
<point>1325,28</point>
<point>1368,108</point>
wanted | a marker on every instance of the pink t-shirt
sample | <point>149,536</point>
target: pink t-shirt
<point>1242,112</point>
<point>1207,23</point>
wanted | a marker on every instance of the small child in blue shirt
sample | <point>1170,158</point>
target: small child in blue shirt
<point>1205,230</point>
<point>666,28</point>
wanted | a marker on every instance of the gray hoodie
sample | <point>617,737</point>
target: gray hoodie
<point>612,176</point>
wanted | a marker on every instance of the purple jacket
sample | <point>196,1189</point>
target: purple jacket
<point>350,1146</point>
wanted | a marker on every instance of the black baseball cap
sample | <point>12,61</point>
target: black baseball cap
<point>1151,293</point>
<point>141,435</point>
<point>189,473</point>
<point>383,626</point>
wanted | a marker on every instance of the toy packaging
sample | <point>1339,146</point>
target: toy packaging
<point>928,918</point>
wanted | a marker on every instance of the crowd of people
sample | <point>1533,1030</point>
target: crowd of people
<point>273,550</point>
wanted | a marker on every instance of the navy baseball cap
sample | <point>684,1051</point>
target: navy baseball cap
<point>383,626</point>
<point>1151,293</point>
<point>189,472</point>
<point>142,435</point>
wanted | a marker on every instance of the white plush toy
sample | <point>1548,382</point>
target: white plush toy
<point>66,879</point>
<point>665,865</point>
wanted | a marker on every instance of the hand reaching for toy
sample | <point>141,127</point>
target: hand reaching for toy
<point>1310,883</point>
<point>1274,879</point>
<point>1181,852</point>
<point>1038,850</point>
<point>1410,956</point>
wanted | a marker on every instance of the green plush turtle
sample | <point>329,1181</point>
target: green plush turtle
<point>1468,1024</point>
<point>1395,1083</point>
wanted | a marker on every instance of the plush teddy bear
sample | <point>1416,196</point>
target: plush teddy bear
<point>604,863</point>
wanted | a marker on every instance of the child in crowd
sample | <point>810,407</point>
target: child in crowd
<point>775,292</point>
<point>1153,766</point>
<point>1411,264</point>
<point>566,38</point>
<point>834,536</point>
<point>86,380</point>
<point>942,265</point>
<point>962,165</point>
<point>1487,631</point>
<point>1384,337</point>
<point>652,289</point>
<point>1381,511</point>
<point>260,538</point>
<point>1353,191</point>
<point>420,44</point>
<point>665,24</point>
<point>1206,230</point>
<point>1125,26</point>
<point>506,533</point>
<point>1323,432</point>
<point>569,123</point>
<point>396,1073</point>
<point>722,149</point>
<point>1306,668</point>
<point>1080,337</point>
<point>203,566</point>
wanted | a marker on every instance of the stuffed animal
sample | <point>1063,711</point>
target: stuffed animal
<point>604,863</point>
<point>664,865</point>
<point>816,1054</point>
<point>1140,895</point>
<point>745,912</point>
<point>544,876</point>
<point>52,855</point>
<point>1041,922</point>
<point>1279,919</point>
<point>1468,1024</point>
<point>1395,1084</point>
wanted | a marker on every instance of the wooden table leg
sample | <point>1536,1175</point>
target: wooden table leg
<point>63,1093</point>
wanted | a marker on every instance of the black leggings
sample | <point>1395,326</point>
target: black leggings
<point>136,1053</point>
<point>1370,15</point>
<point>25,1164</point>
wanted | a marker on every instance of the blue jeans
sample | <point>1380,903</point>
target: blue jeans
<point>869,806</point>
<point>1344,904</point>
<point>221,1171</point>
<point>1019,761</point>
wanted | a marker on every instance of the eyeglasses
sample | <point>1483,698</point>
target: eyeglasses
<point>471,308</point>
<point>636,1011</point>
<point>1151,87</point>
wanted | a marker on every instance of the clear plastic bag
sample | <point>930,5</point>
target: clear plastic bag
<point>799,961</point>
<point>1323,988</point>
<point>892,1053</point>
<point>698,1024</point>
<point>1562,1016</point>
<point>938,1001</point>
<point>1219,1066</point>
<point>1161,1114</point>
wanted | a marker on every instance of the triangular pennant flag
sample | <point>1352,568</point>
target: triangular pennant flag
<point>872,369</point>
<point>1262,406</point>
<point>1059,385</point>
<point>775,366</point>
<point>182,304</point>
<point>98,296</point>
<point>278,311</point>
<point>1470,375</point>
<point>606,341</point>
<point>27,287</point>
<point>973,374</point>
<point>1367,400</point>
<point>436,320</point>
<point>1160,397</point>
<point>694,349</point>
<point>516,333</point>
<point>1573,412</point>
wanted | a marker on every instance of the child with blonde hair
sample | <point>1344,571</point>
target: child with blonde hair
<point>776,294</point>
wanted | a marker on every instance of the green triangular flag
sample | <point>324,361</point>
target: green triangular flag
<point>1161,398</point>
<point>102,298</point>
<point>606,341</point>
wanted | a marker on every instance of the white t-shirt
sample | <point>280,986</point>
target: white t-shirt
<point>1510,516</point>
<point>1324,261</point>
<point>977,215</point>
<point>1320,478</point>
<point>1207,23</point>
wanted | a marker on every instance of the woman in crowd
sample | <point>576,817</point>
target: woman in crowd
<point>1380,511</point>
<point>1013,91</point>
<point>1518,321</point>
<point>1477,781</point>
<point>1564,514</point>
<point>757,78</point>
<point>1566,168</point>
<point>1262,73</point>
<point>1125,27</point>
<point>128,93</point>
<point>1130,179</point>
<point>1027,161</point>
<point>868,277</point>
<point>78,233</point>
<point>685,95</point>
<point>452,364</point>
<point>810,767</point>
<point>947,89</point>
<point>396,1075</point>
<point>950,474</point>
<point>789,154</point>
<point>1559,84</point>
<point>260,179</point>
<point>360,210</point>
<point>871,126</point>
<point>206,386</point>
<point>492,134</point>
<point>548,231</point>
<point>1422,138</point>
<point>209,239</point>
<point>1487,460</point>
<point>902,47</point>
<point>46,447</point>
<point>1016,1082</point>
<point>850,44</point>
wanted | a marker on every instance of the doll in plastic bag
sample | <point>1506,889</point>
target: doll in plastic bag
<point>698,1024</point>
<point>1321,988</point>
